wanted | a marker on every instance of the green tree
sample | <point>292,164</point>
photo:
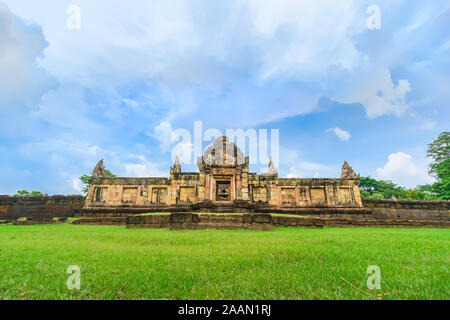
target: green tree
<point>439,152</point>
<point>29,194</point>
<point>380,189</point>
<point>424,192</point>
<point>86,180</point>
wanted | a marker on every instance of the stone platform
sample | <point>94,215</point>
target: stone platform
<point>193,221</point>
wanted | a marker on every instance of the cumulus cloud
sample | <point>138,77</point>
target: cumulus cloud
<point>306,49</point>
<point>23,82</point>
<point>163,133</point>
<point>61,162</point>
<point>381,96</point>
<point>77,185</point>
<point>196,65</point>
<point>340,133</point>
<point>144,168</point>
<point>164,64</point>
<point>402,169</point>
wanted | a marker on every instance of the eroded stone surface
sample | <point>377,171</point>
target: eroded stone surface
<point>347,172</point>
<point>99,170</point>
<point>224,178</point>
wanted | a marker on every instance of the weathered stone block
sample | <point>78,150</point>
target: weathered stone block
<point>262,226</point>
<point>247,218</point>
<point>292,221</point>
<point>175,225</point>
<point>261,218</point>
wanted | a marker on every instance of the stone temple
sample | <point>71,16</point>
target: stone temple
<point>222,184</point>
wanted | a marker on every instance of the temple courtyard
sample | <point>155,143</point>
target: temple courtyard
<point>288,263</point>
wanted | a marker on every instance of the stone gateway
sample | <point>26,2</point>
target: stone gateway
<point>222,184</point>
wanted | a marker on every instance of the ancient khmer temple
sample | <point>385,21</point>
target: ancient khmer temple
<point>223,183</point>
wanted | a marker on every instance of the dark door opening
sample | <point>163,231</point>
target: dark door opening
<point>223,191</point>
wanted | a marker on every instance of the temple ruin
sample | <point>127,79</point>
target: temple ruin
<point>223,184</point>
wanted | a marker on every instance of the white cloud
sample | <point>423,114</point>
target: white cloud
<point>340,133</point>
<point>77,185</point>
<point>144,168</point>
<point>307,50</point>
<point>380,96</point>
<point>191,61</point>
<point>307,169</point>
<point>294,173</point>
<point>403,170</point>
<point>22,81</point>
<point>163,133</point>
<point>62,161</point>
<point>130,102</point>
<point>226,63</point>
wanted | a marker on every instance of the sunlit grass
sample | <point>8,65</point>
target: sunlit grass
<point>288,263</point>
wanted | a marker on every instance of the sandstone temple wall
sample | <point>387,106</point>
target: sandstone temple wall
<point>186,188</point>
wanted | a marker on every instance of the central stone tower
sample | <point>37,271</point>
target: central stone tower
<point>223,172</point>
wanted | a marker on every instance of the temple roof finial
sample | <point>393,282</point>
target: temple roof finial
<point>99,170</point>
<point>348,172</point>
<point>177,165</point>
<point>272,169</point>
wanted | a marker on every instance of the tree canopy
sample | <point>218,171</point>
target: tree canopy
<point>28,193</point>
<point>385,189</point>
<point>439,152</point>
<point>86,180</point>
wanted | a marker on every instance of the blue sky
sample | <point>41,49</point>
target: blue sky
<point>136,70</point>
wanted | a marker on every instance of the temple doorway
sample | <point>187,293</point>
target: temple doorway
<point>223,191</point>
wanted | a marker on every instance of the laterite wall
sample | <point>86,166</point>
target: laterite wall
<point>408,209</point>
<point>12,208</point>
<point>44,207</point>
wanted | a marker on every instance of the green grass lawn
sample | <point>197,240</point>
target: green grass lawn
<point>288,263</point>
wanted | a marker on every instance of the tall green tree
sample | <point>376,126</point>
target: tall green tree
<point>439,152</point>
<point>86,180</point>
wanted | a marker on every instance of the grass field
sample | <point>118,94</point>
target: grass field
<point>288,263</point>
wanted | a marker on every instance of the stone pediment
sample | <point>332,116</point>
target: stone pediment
<point>223,153</point>
<point>99,170</point>
<point>348,172</point>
